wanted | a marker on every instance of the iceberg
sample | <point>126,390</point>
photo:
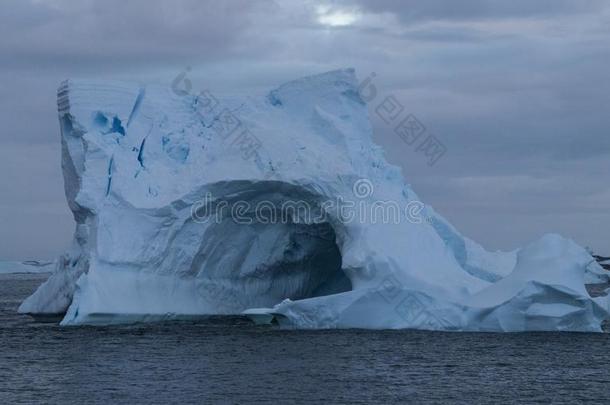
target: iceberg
<point>278,206</point>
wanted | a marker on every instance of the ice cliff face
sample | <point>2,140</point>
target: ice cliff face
<point>167,190</point>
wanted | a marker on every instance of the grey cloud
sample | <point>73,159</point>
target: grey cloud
<point>414,10</point>
<point>517,91</point>
<point>117,33</point>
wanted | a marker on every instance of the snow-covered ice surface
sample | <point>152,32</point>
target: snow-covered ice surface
<point>28,266</point>
<point>137,159</point>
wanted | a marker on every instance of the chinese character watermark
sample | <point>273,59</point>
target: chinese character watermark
<point>406,127</point>
<point>225,122</point>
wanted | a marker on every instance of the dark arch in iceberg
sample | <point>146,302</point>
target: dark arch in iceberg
<point>264,242</point>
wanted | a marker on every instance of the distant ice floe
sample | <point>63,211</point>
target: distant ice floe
<point>28,266</point>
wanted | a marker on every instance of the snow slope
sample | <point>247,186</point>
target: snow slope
<point>147,170</point>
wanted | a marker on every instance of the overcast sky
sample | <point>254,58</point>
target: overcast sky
<point>518,91</point>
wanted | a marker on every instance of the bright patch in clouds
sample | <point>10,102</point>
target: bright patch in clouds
<point>336,18</point>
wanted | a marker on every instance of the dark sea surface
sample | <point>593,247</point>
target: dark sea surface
<point>228,360</point>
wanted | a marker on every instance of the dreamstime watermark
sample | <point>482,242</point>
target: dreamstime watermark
<point>360,209</point>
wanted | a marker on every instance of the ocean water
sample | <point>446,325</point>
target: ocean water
<point>228,360</point>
